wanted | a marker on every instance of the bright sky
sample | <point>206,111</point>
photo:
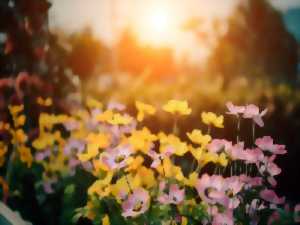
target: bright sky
<point>153,20</point>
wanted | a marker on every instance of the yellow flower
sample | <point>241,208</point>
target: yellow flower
<point>105,116</point>
<point>121,186</point>
<point>15,109</point>
<point>19,137</point>
<point>92,151</point>
<point>25,155</point>
<point>198,138</point>
<point>170,170</point>
<point>208,157</point>
<point>191,181</point>
<point>19,121</point>
<point>222,160</point>
<point>101,139</point>
<point>93,103</point>
<point>49,120</point>
<point>172,141</point>
<point>142,140</point>
<point>90,212</point>
<point>105,220</point>
<point>210,118</point>
<point>135,163</point>
<point>144,109</point>
<point>101,187</point>
<point>3,151</point>
<point>184,221</point>
<point>114,118</point>
<point>177,107</point>
<point>44,102</point>
<point>4,126</point>
<point>95,143</point>
<point>146,177</point>
<point>196,152</point>
<point>44,140</point>
<point>119,119</point>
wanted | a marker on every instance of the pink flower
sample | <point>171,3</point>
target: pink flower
<point>137,203</point>
<point>218,145</point>
<point>74,145</point>
<point>269,166</point>
<point>254,206</point>
<point>225,218</point>
<point>211,189</point>
<point>236,152</point>
<point>253,155</point>
<point>116,106</point>
<point>233,187</point>
<point>48,185</point>
<point>175,195</point>
<point>157,158</point>
<point>234,184</point>
<point>235,110</point>
<point>116,158</point>
<point>252,112</point>
<point>71,125</point>
<point>266,144</point>
<point>41,155</point>
<point>270,196</point>
<point>250,181</point>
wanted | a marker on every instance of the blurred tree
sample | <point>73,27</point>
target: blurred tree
<point>256,43</point>
<point>86,54</point>
<point>26,45</point>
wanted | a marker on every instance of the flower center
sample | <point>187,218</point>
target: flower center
<point>138,206</point>
<point>119,158</point>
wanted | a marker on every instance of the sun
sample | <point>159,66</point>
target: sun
<point>156,25</point>
<point>159,21</point>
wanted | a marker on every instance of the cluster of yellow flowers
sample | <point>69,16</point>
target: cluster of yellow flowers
<point>98,140</point>
<point>19,137</point>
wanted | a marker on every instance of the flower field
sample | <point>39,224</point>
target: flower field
<point>141,177</point>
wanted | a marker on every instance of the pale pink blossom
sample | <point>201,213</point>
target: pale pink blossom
<point>175,195</point>
<point>116,106</point>
<point>218,145</point>
<point>270,196</point>
<point>252,112</point>
<point>270,169</point>
<point>116,158</point>
<point>234,109</point>
<point>158,157</point>
<point>236,152</point>
<point>266,144</point>
<point>253,155</point>
<point>224,218</point>
<point>211,189</point>
<point>250,182</point>
<point>137,203</point>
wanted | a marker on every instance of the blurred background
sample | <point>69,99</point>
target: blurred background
<point>207,52</point>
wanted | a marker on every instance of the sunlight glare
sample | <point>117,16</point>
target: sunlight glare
<point>157,25</point>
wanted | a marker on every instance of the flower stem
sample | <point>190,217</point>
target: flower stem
<point>127,181</point>
<point>175,126</point>
<point>209,129</point>
<point>253,132</point>
<point>238,129</point>
<point>10,165</point>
